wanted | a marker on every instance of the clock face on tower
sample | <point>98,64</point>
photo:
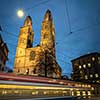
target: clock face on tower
<point>32,55</point>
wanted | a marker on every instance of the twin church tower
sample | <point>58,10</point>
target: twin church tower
<point>39,60</point>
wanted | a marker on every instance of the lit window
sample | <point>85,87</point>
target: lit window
<point>91,75</point>
<point>89,92</point>
<point>99,60</point>
<point>86,77</point>
<point>78,93</point>
<point>97,81</point>
<point>96,75</point>
<point>93,81</point>
<point>84,66</point>
<point>83,93</point>
<point>81,72</point>
<point>92,88</point>
<point>80,67</point>
<point>72,93</point>
<point>89,64</point>
<point>93,58</point>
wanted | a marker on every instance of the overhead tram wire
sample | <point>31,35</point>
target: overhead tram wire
<point>13,35</point>
<point>64,61</point>
<point>69,23</point>
<point>68,16</point>
<point>87,27</point>
<point>9,33</point>
<point>40,3</point>
<point>81,29</point>
<point>36,5</point>
<point>64,54</point>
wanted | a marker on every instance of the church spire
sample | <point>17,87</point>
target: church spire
<point>28,21</point>
<point>48,16</point>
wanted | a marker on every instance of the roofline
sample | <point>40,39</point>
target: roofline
<point>93,53</point>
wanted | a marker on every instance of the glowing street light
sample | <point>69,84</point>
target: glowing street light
<point>20,13</point>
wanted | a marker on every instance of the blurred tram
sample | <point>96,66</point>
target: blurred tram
<point>21,85</point>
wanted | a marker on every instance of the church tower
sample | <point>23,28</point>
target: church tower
<point>25,41</point>
<point>47,33</point>
<point>48,44</point>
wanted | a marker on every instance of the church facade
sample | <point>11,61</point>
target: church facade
<point>39,60</point>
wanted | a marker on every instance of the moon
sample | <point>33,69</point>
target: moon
<point>20,13</point>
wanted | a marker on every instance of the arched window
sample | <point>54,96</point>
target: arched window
<point>27,71</point>
<point>34,71</point>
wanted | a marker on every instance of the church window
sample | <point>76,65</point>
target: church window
<point>34,71</point>
<point>46,27</point>
<point>18,61</point>
<point>20,52</point>
<point>18,71</point>
<point>30,33</point>
<point>29,43</point>
<point>45,36</point>
<point>32,55</point>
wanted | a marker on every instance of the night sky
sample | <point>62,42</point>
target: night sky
<point>77,26</point>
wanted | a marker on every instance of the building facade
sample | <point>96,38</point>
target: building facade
<point>39,60</point>
<point>3,54</point>
<point>87,68</point>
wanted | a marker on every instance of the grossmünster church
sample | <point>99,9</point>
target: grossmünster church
<point>39,60</point>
